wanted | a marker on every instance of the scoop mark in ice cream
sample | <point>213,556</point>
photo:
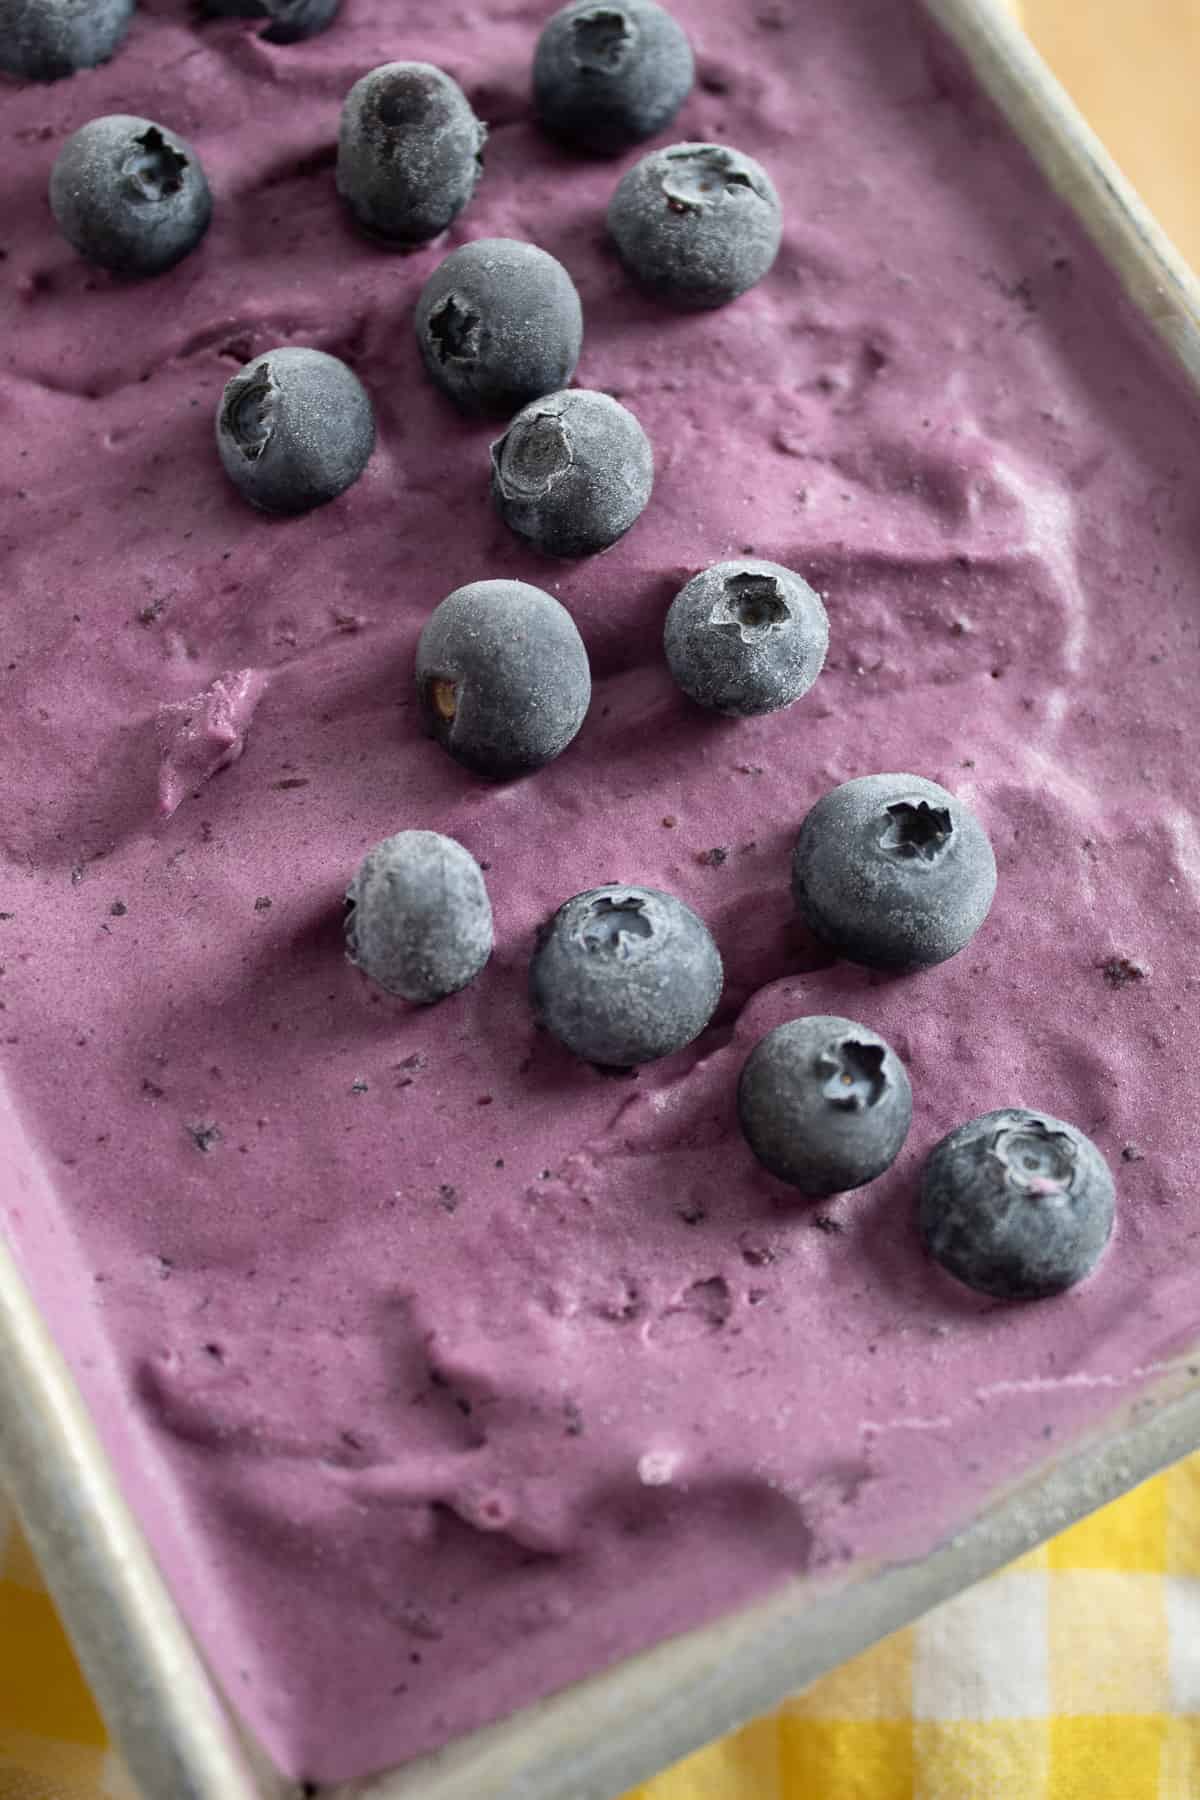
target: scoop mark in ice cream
<point>857,1078</point>
<point>153,170</point>
<point>752,606</point>
<point>601,40</point>
<point>455,330</point>
<point>249,411</point>
<point>918,833</point>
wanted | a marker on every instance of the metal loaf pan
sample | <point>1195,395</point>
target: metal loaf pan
<point>180,1738</point>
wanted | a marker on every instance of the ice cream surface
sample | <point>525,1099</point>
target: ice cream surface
<point>441,1368</point>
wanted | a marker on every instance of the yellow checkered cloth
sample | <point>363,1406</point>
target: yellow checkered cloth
<point>1074,1674</point>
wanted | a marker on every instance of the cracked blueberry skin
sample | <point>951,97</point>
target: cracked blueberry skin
<point>824,1104</point>
<point>1017,1204</point>
<point>606,77</point>
<point>696,224</point>
<point>46,40</point>
<point>295,428</point>
<point>130,195</point>
<point>410,152</point>
<point>502,678</point>
<point>744,638</point>
<point>894,872</point>
<point>499,324</point>
<point>624,975</point>
<point>418,920</point>
<point>291,21</point>
<point>572,473</point>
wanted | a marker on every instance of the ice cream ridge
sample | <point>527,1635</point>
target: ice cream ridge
<point>600,852</point>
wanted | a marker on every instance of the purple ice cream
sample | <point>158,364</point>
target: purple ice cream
<point>441,1368</point>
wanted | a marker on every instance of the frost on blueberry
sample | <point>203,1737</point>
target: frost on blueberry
<point>154,169</point>
<point>535,454</point>
<point>607,76</point>
<point>130,195</point>
<point>697,176</point>
<point>856,1073</point>
<point>917,832</point>
<point>696,224</point>
<point>624,975</point>
<point>573,472</point>
<point>410,152</point>
<point>454,331</point>
<point>499,324</point>
<point>893,871</point>
<point>289,21</point>
<point>1017,1204</point>
<point>294,429</point>
<point>1035,1158</point>
<point>601,39</point>
<point>613,925</point>
<point>46,40</point>
<point>750,605</point>
<point>502,678</point>
<point>824,1104</point>
<point>417,919</point>
<point>744,638</point>
<point>248,409</point>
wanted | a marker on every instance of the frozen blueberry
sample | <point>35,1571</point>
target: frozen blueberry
<point>130,195</point>
<point>572,473</point>
<point>1017,1204</point>
<point>499,324</point>
<point>892,871</point>
<point>608,76</point>
<point>622,975</point>
<point>290,20</point>
<point>295,429</point>
<point>44,40</point>
<point>418,920</point>
<point>502,677</point>
<point>824,1104</point>
<point>746,637</point>
<point>697,224</point>
<point>410,152</point>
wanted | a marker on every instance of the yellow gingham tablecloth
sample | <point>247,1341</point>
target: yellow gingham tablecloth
<point>1072,1675</point>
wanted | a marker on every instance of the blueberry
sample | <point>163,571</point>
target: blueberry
<point>502,677</point>
<point>290,20</point>
<point>499,323</point>
<point>295,429</point>
<point>1017,1204</point>
<point>130,195</point>
<point>410,152</point>
<point>622,975</point>
<point>608,76</point>
<point>696,224</point>
<point>418,920</point>
<point>572,473</point>
<point>825,1104</point>
<point>892,871</point>
<point>43,40</point>
<point>746,637</point>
